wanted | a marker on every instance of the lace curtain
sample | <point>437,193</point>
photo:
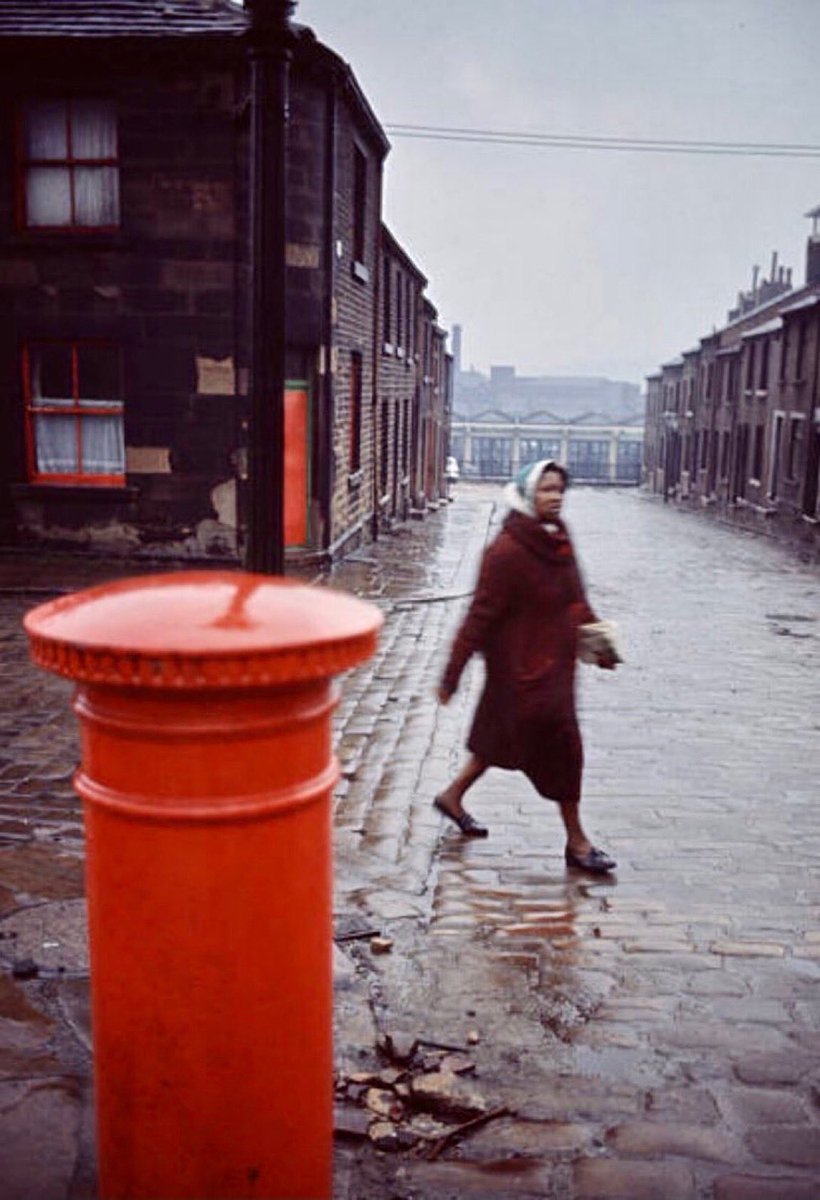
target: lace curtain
<point>82,441</point>
<point>63,142</point>
<point>98,450</point>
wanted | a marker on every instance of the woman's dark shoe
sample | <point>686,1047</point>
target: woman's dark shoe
<point>468,825</point>
<point>594,861</point>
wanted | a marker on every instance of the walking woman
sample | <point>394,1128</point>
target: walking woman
<point>530,619</point>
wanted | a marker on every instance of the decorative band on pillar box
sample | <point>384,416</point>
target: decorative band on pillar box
<point>205,700</point>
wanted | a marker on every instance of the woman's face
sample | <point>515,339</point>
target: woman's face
<point>549,495</point>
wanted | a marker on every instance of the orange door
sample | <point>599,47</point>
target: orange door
<point>296,464</point>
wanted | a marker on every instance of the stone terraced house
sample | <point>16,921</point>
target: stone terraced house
<point>124,285</point>
<point>733,424</point>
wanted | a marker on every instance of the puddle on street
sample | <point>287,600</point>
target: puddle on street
<point>494,904</point>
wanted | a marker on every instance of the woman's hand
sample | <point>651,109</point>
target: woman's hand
<point>608,659</point>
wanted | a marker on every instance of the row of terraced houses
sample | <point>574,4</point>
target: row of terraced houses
<point>124,283</point>
<point>733,424</point>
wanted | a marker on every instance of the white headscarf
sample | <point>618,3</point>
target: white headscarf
<point>519,493</point>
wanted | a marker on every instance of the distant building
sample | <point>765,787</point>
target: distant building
<point>566,396</point>
<point>504,420</point>
<point>595,449</point>
<point>733,424</point>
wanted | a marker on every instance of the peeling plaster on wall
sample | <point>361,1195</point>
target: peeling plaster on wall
<point>113,536</point>
<point>211,539</point>
<point>297,255</point>
<point>148,460</point>
<point>223,498</point>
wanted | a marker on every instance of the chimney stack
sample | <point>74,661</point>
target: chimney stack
<point>813,249</point>
<point>456,342</point>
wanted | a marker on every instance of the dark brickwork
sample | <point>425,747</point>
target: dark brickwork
<point>170,287</point>
<point>400,344</point>
<point>163,287</point>
<point>732,426</point>
<point>435,405</point>
<point>354,316</point>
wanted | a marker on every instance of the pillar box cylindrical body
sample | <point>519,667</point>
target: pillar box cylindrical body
<point>205,701</point>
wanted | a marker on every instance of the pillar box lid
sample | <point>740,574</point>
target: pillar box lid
<point>202,629</point>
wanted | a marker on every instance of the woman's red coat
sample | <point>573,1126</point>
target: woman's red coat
<point>524,618</point>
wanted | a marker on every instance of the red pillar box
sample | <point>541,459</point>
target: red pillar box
<point>207,769</point>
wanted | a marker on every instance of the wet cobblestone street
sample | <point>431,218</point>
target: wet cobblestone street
<point>656,1035</point>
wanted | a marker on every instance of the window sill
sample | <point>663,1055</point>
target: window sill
<point>354,479</point>
<point>69,239</point>
<point>387,348</point>
<point>359,271</point>
<point>74,491</point>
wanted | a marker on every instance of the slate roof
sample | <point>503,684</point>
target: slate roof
<point>50,21</point>
<point>120,18</point>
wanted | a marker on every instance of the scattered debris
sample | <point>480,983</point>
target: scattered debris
<point>351,927</point>
<point>420,1102</point>
<point>384,1136</point>
<point>350,1123</point>
<point>384,1103</point>
<point>407,1138</point>
<point>447,1095</point>
<point>459,1064</point>
<point>426,1127</point>
<point>370,1077</point>
<point>473,1037</point>
<point>398,1047</point>
<point>433,1060</point>
<point>460,1131</point>
<point>381,945</point>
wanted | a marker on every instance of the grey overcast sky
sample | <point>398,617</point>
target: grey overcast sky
<point>569,261</point>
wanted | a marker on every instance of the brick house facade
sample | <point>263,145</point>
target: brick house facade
<point>435,409</point>
<point>733,426</point>
<point>400,341</point>
<point>124,282</point>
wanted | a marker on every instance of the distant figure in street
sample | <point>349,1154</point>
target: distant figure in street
<point>451,474</point>
<point>530,619</point>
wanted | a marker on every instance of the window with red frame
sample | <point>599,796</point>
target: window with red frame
<point>74,413</point>
<point>69,173</point>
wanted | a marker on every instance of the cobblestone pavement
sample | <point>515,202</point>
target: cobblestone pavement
<point>654,1035</point>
